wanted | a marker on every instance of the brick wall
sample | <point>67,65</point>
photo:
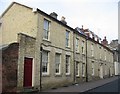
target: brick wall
<point>9,67</point>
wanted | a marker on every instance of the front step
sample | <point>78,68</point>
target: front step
<point>30,90</point>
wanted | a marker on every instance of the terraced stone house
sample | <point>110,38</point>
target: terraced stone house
<point>49,53</point>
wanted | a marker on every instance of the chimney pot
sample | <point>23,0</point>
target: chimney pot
<point>63,20</point>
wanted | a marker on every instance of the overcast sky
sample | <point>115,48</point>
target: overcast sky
<point>100,16</point>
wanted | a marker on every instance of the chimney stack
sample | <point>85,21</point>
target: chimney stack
<point>63,20</point>
<point>104,42</point>
<point>54,15</point>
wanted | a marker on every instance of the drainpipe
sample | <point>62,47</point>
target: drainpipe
<point>74,79</point>
<point>86,62</point>
<point>41,68</point>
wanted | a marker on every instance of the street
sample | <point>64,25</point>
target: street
<point>113,86</point>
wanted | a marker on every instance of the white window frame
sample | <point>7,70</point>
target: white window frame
<point>93,70</point>
<point>92,50</point>
<point>105,69</point>
<point>67,40</point>
<point>77,45</point>
<point>83,69</point>
<point>105,55</point>
<point>67,73</point>
<point>45,30</point>
<point>83,47</point>
<point>100,52</point>
<point>83,58</point>
<point>77,69</point>
<point>58,63</point>
<point>45,73</point>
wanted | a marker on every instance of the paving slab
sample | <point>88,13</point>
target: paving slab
<point>82,87</point>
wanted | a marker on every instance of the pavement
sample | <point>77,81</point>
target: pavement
<point>84,87</point>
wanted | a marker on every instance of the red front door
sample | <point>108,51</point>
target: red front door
<point>28,72</point>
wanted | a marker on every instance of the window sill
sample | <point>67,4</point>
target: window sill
<point>58,75</point>
<point>83,76</point>
<point>77,52</point>
<point>78,76</point>
<point>67,74</point>
<point>83,54</point>
<point>68,47</point>
<point>45,75</point>
<point>46,40</point>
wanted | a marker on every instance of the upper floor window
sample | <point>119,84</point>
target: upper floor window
<point>46,29</point>
<point>0,25</point>
<point>83,47</point>
<point>45,62</point>
<point>67,38</point>
<point>67,64</point>
<point>100,52</point>
<point>105,54</point>
<point>92,50</point>
<point>57,63</point>
<point>77,45</point>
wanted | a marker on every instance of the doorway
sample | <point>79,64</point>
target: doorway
<point>28,72</point>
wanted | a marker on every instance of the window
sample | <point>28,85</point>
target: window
<point>110,58</point>
<point>105,54</point>
<point>83,69</point>
<point>77,45</point>
<point>92,67</point>
<point>105,69</point>
<point>67,64</point>
<point>77,69</point>
<point>67,39</point>
<point>0,25</point>
<point>45,62</point>
<point>46,29</point>
<point>92,50</point>
<point>83,59</point>
<point>83,47</point>
<point>57,63</point>
<point>100,52</point>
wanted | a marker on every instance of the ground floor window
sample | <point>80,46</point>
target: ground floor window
<point>57,63</point>
<point>92,67</point>
<point>83,69</point>
<point>45,62</point>
<point>77,69</point>
<point>67,64</point>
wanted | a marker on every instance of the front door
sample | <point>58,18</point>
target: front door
<point>28,72</point>
<point>101,71</point>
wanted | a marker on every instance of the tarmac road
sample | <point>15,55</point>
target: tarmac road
<point>113,86</point>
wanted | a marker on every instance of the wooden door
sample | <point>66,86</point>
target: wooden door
<point>28,72</point>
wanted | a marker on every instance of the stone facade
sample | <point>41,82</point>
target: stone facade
<point>81,58</point>
<point>11,21</point>
<point>26,49</point>
<point>114,46</point>
<point>55,44</point>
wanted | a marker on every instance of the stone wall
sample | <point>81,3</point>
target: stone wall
<point>26,49</point>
